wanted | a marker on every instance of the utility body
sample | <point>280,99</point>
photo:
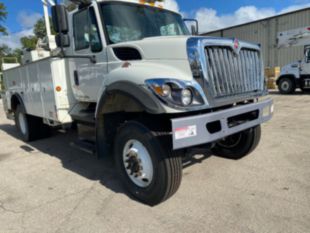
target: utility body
<point>296,74</point>
<point>151,90</point>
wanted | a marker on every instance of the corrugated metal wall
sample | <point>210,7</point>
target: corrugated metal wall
<point>265,32</point>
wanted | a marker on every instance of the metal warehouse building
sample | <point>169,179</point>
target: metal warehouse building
<point>265,32</point>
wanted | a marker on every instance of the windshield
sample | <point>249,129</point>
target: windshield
<point>128,22</point>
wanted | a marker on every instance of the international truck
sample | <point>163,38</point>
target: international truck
<point>151,91</point>
<point>296,74</point>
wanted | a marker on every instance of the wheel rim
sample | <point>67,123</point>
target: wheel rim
<point>230,142</point>
<point>22,123</point>
<point>285,86</point>
<point>138,163</point>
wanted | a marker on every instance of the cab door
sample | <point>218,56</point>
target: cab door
<point>86,75</point>
<point>305,66</point>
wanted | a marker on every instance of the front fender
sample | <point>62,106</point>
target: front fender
<point>142,97</point>
<point>291,69</point>
<point>130,80</point>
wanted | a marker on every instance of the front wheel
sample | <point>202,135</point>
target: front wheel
<point>149,170</point>
<point>286,86</point>
<point>238,145</point>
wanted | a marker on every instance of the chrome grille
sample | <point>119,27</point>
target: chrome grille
<point>230,74</point>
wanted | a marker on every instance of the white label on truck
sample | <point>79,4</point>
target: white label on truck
<point>186,132</point>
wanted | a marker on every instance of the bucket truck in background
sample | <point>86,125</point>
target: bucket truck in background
<point>296,74</point>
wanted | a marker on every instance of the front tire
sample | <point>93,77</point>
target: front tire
<point>149,170</point>
<point>238,145</point>
<point>286,86</point>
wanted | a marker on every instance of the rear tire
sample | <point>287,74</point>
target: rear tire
<point>238,145</point>
<point>149,170</point>
<point>286,86</point>
<point>30,127</point>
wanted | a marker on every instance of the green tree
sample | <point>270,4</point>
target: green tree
<point>4,50</point>
<point>29,42</point>
<point>3,14</point>
<point>39,31</point>
<point>9,55</point>
<point>18,54</point>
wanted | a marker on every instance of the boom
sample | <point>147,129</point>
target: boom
<point>295,37</point>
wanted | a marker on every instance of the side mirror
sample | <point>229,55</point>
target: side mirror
<point>194,30</point>
<point>62,40</point>
<point>193,25</point>
<point>60,19</point>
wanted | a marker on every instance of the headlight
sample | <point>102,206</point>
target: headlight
<point>166,90</point>
<point>177,93</point>
<point>186,97</point>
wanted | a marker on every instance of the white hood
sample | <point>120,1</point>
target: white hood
<point>153,48</point>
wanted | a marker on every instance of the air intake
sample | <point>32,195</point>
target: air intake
<point>127,54</point>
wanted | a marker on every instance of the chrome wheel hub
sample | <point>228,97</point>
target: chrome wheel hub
<point>138,163</point>
<point>285,86</point>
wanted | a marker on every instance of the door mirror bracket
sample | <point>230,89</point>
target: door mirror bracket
<point>195,27</point>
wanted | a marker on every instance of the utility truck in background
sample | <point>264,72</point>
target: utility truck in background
<point>6,63</point>
<point>151,91</point>
<point>297,74</point>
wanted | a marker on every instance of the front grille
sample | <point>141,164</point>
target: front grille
<point>230,74</point>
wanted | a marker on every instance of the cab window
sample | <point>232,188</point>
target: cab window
<point>86,31</point>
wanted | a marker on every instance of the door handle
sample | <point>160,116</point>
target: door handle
<point>76,78</point>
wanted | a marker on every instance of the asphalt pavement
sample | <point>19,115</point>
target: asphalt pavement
<point>50,186</point>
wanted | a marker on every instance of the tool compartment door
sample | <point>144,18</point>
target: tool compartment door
<point>47,89</point>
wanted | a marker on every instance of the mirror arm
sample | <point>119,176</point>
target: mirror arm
<point>196,21</point>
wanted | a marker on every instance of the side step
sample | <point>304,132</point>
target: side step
<point>84,113</point>
<point>86,118</point>
<point>86,138</point>
<point>85,146</point>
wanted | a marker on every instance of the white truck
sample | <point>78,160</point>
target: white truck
<point>150,90</point>
<point>6,63</point>
<point>297,74</point>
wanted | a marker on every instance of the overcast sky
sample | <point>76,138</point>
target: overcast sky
<point>211,14</point>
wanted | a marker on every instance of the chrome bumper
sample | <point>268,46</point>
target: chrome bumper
<point>193,131</point>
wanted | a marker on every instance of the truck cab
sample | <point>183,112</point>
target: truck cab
<point>117,32</point>
<point>305,64</point>
<point>150,90</point>
<point>295,75</point>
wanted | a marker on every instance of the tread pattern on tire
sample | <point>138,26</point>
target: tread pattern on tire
<point>36,128</point>
<point>170,163</point>
<point>175,164</point>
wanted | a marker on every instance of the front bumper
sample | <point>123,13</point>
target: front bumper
<point>193,131</point>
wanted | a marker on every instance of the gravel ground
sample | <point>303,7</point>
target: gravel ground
<point>49,186</point>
